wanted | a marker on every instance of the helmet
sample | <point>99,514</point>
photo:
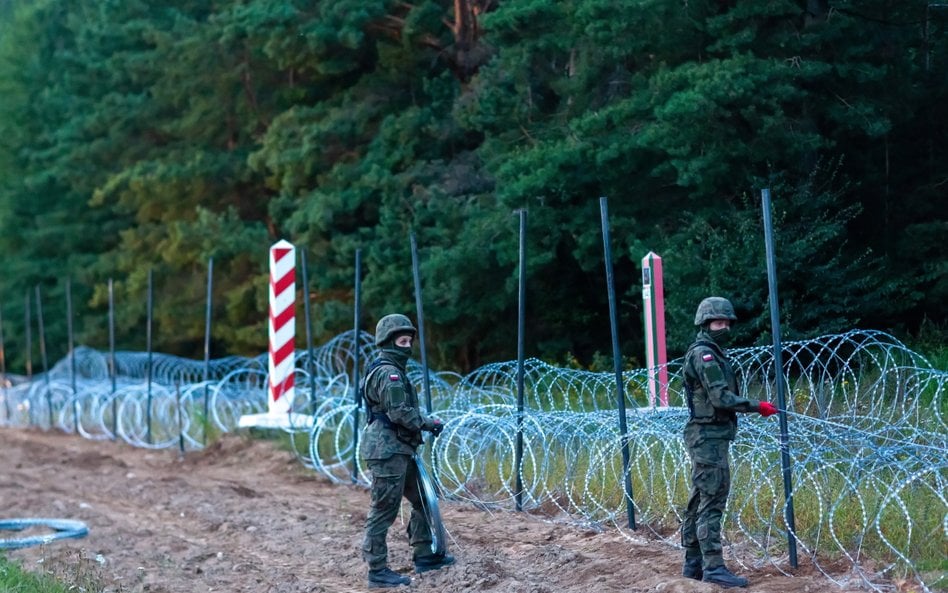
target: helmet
<point>390,325</point>
<point>714,308</point>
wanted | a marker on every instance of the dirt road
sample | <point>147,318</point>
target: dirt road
<point>244,516</point>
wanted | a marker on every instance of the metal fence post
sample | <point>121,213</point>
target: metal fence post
<point>617,363</point>
<point>778,378</point>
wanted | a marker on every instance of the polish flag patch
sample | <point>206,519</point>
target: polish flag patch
<point>394,378</point>
<point>707,357</point>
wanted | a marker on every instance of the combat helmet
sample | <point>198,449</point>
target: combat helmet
<point>714,308</point>
<point>390,325</point>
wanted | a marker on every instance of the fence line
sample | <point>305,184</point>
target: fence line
<point>868,438</point>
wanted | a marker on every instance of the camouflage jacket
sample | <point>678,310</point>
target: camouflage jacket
<point>395,421</point>
<point>715,397</point>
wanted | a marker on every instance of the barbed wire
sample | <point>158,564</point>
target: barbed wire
<point>866,414</point>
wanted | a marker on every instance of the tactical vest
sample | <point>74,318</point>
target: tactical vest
<point>700,409</point>
<point>371,408</point>
<point>376,413</point>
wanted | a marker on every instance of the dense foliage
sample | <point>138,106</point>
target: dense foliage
<point>139,135</point>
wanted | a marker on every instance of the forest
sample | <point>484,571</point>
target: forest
<point>139,135</point>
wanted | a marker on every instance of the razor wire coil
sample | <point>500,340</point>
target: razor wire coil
<point>867,416</point>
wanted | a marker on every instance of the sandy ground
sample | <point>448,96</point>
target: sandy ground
<point>244,516</point>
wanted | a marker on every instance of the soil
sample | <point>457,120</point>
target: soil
<point>245,516</point>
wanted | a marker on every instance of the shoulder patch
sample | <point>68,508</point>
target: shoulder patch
<point>394,377</point>
<point>707,357</point>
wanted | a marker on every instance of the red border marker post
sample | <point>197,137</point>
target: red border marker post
<point>653,299</point>
<point>282,328</point>
<point>281,389</point>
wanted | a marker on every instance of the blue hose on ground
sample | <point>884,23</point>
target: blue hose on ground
<point>64,528</point>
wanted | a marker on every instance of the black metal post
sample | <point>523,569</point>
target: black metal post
<point>3,352</point>
<point>617,362</point>
<point>72,354</point>
<point>43,357</point>
<point>778,378</point>
<point>356,371</point>
<point>29,350</point>
<point>521,334</point>
<point>3,367</point>
<point>207,343</point>
<point>29,335</point>
<point>421,322</point>
<point>177,393</point>
<point>426,385</point>
<point>112,358</point>
<point>307,316</point>
<point>148,370</point>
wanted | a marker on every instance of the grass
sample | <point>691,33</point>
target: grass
<point>73,574</point>
<point>14,579</point>
<point>209,432</point>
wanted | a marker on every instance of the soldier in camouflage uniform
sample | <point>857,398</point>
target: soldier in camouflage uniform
<point>390,440</point>
<point>713,403</point>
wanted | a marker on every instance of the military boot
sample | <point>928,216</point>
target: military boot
<point>384,578</point>
<point>692,568</point>
<point>720,575</point>
<point>433,562</point>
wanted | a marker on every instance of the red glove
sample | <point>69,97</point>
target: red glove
<point>767,409</point>
<point>435,426</point>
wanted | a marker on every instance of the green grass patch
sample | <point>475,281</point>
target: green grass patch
<point>65,572</point>
<point>13,579</point>
<point>69,574</point>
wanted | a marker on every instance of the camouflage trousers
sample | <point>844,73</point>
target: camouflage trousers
<point>392,479</point>
<point>711,483</point>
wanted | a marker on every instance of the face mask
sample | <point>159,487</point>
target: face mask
<point>721,336</point>
<point>399,354</point>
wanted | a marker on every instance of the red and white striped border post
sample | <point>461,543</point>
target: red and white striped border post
<point>282,350</point>
<point>656,359</point>
<point>282,327</point>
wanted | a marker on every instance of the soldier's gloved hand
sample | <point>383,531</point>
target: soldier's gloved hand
<point>767,409</point>
<point>434,426</point>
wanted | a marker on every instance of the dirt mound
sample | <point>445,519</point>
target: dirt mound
<point>244,516</point>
